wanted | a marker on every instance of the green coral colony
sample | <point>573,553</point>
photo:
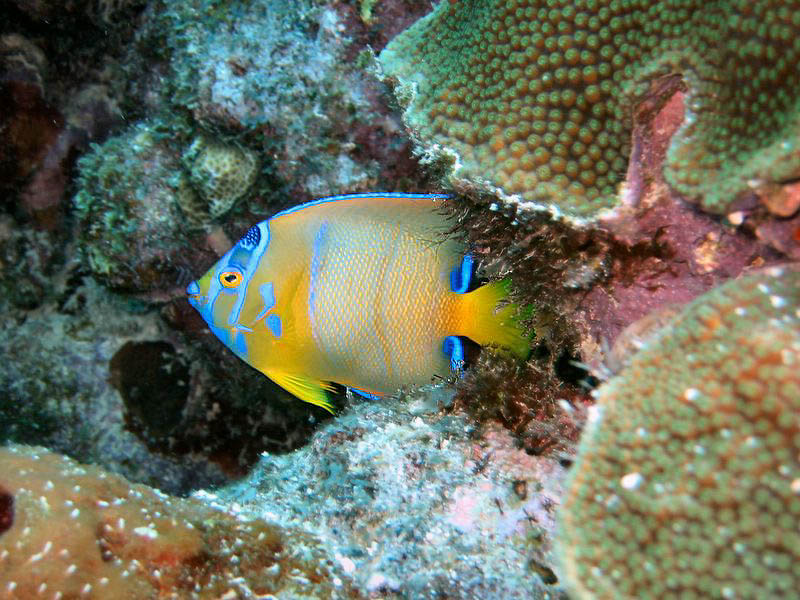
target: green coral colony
<point>687,480</point>
<point>536,97</point>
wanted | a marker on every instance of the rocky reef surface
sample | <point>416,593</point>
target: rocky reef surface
<point>631,166</point>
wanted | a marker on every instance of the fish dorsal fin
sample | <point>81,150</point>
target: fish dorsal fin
<point>308,390</point>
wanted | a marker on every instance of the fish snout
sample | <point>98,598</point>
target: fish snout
<point>196,299</point>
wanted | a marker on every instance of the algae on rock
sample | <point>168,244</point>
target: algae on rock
<point>415,503</point>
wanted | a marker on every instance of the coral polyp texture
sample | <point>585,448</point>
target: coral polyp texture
<point>74,531</point>
<point>687,479</point>
<point>536,98</point>
<point>222,173</point>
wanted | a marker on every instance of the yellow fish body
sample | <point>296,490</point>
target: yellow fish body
<point>365,290</point>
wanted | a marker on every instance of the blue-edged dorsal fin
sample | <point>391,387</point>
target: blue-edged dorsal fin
<point>376,195</point>
<point>305,388</point>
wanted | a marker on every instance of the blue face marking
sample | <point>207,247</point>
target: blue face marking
<point>454,348</point>
<point>275,325</point>
<point>240,345</point>
<point>223,335</point>
<point>461,276</point>
<point>273,322</point>
<point>267,291</point>
<point>246,256</point>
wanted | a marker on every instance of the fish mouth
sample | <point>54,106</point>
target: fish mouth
<point>196,298</point>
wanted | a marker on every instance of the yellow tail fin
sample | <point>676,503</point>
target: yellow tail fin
<point>484,323</point>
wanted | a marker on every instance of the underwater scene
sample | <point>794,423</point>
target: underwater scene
<point>402,299</point>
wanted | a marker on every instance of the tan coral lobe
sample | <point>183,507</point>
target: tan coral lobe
<point>78,531</point>
<point>537,98</point>
<point>686,480</point>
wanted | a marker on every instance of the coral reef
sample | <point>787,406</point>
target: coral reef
<point>664,252</point>
<point>289,83</point>
<point>392,499</point>
<point>75,531</point>
<point>415,503</point>
<point>55,388</point>
<point>687,477</point>
<point>611,113</point>
<point>526,398</point>
<point>106,379</point>
<point>588,284</point>
<point>132,232</point>
<point>276,113</point>
<point>536,100</point>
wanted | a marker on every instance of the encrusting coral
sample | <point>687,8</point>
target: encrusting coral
<point>279,81</point>
<point>417,503</point>
<point>537,98</point>
<point>687,480</point>
<point>74,531</point>
<point>140,201</point>
<point>131,228</point>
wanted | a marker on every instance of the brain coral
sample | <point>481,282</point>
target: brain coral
<point>536,97</point>
<point>222,173</point>
<point>74,531</point>
<point>687,480</point>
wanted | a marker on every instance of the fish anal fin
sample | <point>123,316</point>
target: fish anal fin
<point>307,389</point>
<point>367,395</point>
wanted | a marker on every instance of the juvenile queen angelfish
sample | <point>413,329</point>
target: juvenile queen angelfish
<point>365,290</point>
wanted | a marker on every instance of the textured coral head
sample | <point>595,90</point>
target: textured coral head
<point>537,97</point>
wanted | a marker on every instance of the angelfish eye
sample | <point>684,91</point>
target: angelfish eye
<point>230,279</point>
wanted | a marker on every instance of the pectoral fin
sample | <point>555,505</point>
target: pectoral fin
<point>308,390</point>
